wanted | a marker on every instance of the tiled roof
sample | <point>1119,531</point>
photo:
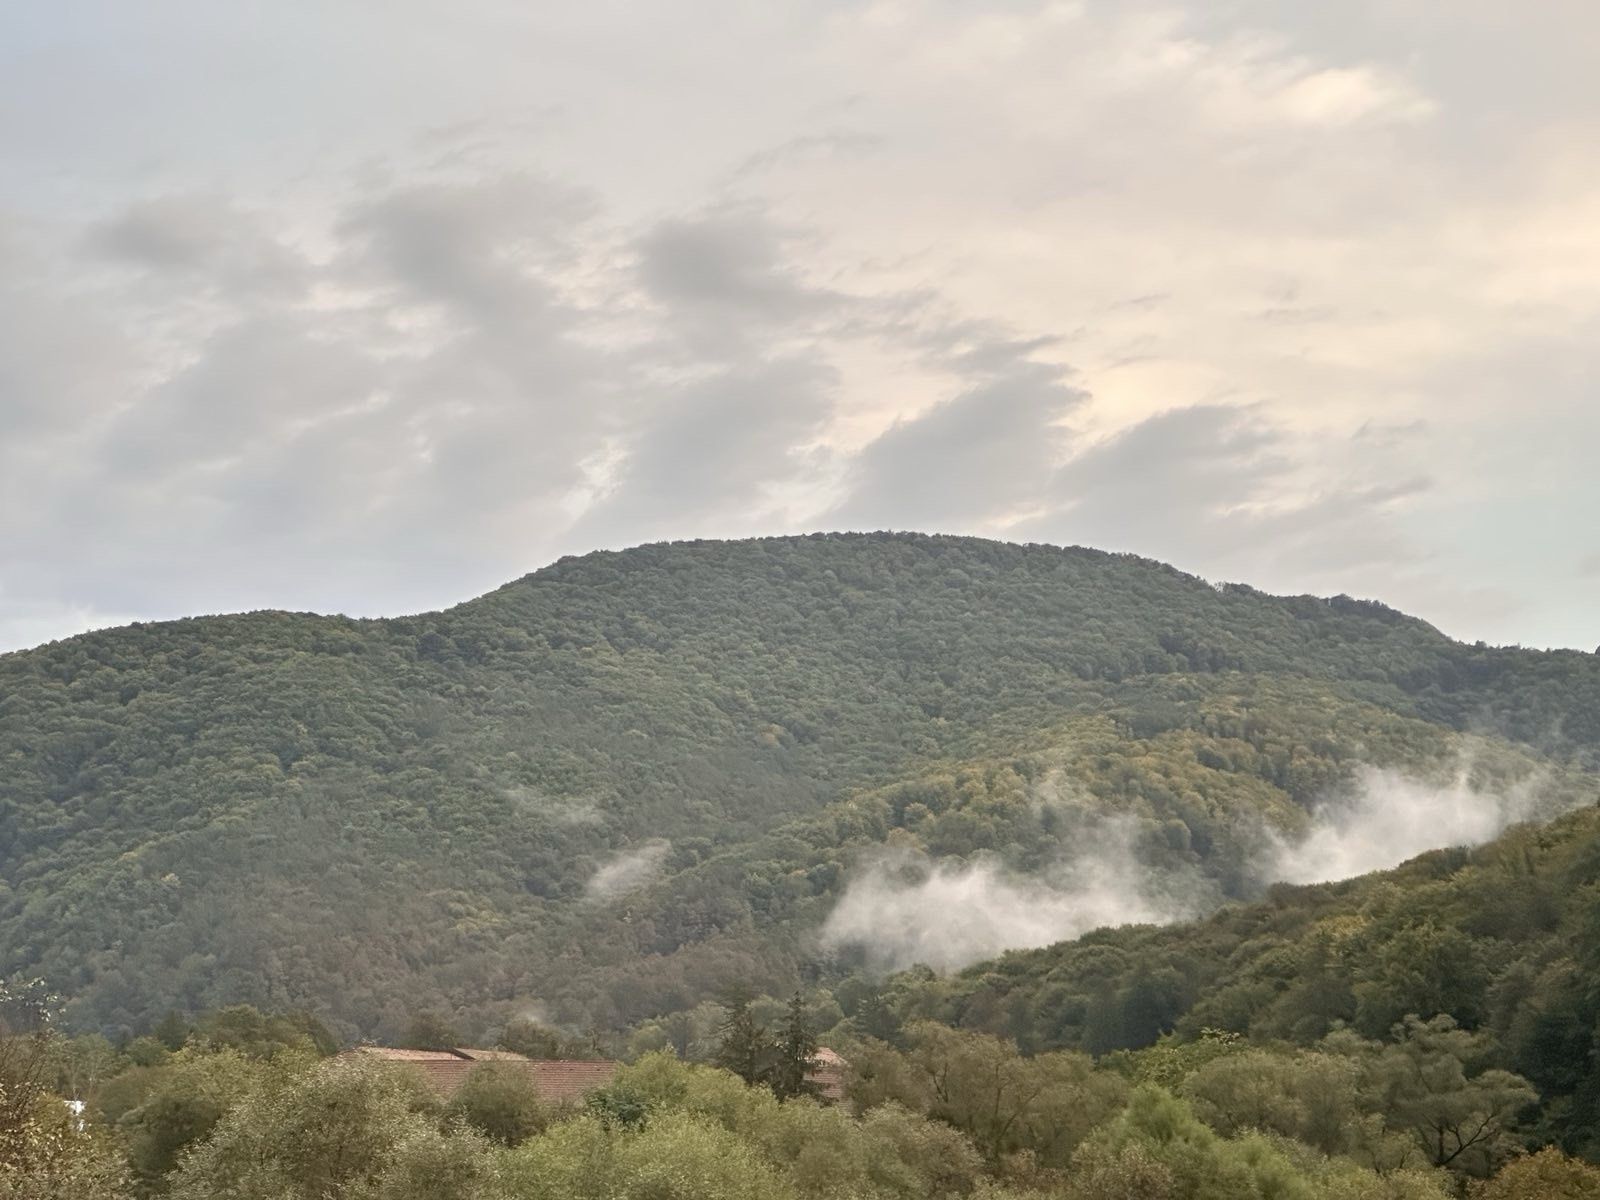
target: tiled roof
<point>827,1073</point>
<point>490,1055</point>
<point>394,1054</point>
<point>562,1081</point>
<point>558,1080</point>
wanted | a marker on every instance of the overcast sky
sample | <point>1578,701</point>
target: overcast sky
<point>371,305</point>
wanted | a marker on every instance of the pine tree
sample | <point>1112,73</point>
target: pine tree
<point>794,1054</point>
<point>743,1046</point>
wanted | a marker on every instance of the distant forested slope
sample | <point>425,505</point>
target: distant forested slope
<point>1503,940</point>
<point>371,817</point>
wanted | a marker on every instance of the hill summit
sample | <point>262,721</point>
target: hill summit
<point>627,778</point>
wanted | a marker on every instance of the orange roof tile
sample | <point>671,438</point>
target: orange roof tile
<point>563,1081</point>
<point>558,1081</point>
<point>490,1055</point>
<point>395,1054</point>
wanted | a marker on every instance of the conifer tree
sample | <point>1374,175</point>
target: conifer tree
<point>794,1053</point>
<point>743,1045</point>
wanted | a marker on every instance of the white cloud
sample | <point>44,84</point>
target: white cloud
<point>627,872</point>
<point>1389,817</point>
<point>904,910</point>
<point>288,347</point>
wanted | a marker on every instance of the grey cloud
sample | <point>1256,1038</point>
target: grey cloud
<point>1222,486</point>
<point>714,450</point>
<point>254,380</point>
<point>728,267</point>
<point>190,240</point>
<point>61,362</point>
<point>418,375</point>
<point>485,249</point>
<point>972,458</point>
<point>835,143</point>
<point>736,384</point>
<point>422,424</point>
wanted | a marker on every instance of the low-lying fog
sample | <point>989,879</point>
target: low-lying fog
<point>947,914</point>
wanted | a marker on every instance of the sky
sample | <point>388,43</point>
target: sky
<point>369,307</point>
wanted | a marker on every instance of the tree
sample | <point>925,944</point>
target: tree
<point>171,1031</point>
<point>1428,1082</point>
<point>255,1034</point>
<point>430,1031</point>
<point>743,1046</point>
<point>429,1165</point>
<point>1547,1175</point>
<point>26,1010</point>
<point>329,1130</point>
<point>45,1151</point>
<point>500,1101</point>
<point>794,1054</point>
<point>531,1039</point>
<point>982,1086</point>
<point>1157,1149</point>
<point>181,1103</point>
<point>78,1065</point>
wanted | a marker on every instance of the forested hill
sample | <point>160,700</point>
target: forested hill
<point>663,756</point>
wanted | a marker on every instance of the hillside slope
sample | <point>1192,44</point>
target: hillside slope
<point>369,817</point>
<point>1504,939</point>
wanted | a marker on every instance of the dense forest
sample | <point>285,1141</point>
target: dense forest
<point>615,787</point>
<point>250,1106</point>
<point>705,806</point>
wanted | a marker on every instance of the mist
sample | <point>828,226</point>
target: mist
<point>905,908</point>
<point>628,871</point>
<point>1388,817</point>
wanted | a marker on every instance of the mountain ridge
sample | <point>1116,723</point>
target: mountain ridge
<point>368,816</point>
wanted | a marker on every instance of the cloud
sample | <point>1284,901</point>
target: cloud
<point>715,451</point>
<point>296,350</point>
<point>974,458</point>
<point>1226,490</point>
<point>729,270</point>
<point>904,909</point>
<point>1388,817</point>
<point>627,872</point>
<point>199,238</point>
<point>809,146</point>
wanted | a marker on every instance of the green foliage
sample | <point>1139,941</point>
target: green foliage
<point>531,1039</point>
<point>794,1051</point>
<point>1158,1148</point>
<point>500,1101</point>
<point>743,1046</point>
<point>1434,1082</point>
<point>1547,1175</point>
<point>366,818</point>
<point>164,1111</point>
<point>1007,1104</point>
<point>1489,951</point>
<point>676,1157</point>
<point>48,1157</point>
<point>1253,1121</point>
<point>341,1127</point>
<point>430,1031</point>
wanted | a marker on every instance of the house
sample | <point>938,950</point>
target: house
<point>557,1080</point>
<point>827,1073</point>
